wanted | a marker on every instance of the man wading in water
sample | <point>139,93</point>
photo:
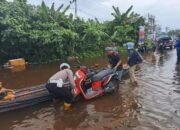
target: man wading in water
<point>114,60</point>
<point>58,89</point>
<point>134,59</point>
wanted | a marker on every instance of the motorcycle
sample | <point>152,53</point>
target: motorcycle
<point>91,84</point>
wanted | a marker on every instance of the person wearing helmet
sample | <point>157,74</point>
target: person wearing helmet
<point>134,59</point>
<point>114,60</point>
<point>56,85</point>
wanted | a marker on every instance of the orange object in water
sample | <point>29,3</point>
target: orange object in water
<point>67,106</point>
<point>18,68</point>
<point>17,62</point>
<point>96,85</point>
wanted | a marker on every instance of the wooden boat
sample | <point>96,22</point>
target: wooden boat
<point>26,97</point>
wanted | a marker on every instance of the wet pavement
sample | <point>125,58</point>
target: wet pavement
<point>152,105</point>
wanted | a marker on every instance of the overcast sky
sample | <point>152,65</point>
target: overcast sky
<point>167,12</point>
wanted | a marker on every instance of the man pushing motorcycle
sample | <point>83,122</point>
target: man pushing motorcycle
<point>114,61</point>
<point>56,85</point>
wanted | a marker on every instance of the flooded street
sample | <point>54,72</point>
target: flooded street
<point>152,105</point>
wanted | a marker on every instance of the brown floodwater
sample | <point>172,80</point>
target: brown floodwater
<point>152,105</point>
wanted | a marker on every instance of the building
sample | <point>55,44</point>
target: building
<point>153,30</point>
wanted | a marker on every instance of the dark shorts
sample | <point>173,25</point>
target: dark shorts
<point>63,93</point>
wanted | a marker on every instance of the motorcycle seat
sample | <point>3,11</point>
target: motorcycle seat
<point>100,75</point>
<point>90,74</point>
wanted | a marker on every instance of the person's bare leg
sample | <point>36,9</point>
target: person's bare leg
<point>132,74</point>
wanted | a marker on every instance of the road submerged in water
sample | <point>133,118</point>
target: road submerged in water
<point>152,105</point>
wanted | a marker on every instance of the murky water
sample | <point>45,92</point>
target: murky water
<point>152,105</point>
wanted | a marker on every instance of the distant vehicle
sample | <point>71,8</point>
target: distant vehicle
<point>166,41</point>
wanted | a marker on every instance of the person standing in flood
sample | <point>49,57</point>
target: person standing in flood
<point>114,60</point>
<point>178,50</point>
<point>134,59</point>
<point>57,88</point>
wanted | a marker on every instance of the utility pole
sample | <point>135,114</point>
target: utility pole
<point>75,4</point>
<point>75,8</point>
<point>167,29</point>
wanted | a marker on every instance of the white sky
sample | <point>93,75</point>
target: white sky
<point>167,12</point>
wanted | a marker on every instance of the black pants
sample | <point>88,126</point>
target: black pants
<point>63,93</point>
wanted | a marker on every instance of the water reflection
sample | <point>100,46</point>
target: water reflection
<point>69,119</point>
<point>119,110</point>
<point>105,112</point>
<point>18,68</point>
<point>152,105</point>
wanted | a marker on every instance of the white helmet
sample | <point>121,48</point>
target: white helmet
<point>64,65</point>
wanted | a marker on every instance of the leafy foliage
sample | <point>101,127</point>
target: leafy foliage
<point>42,33</point>
<point>174,33</point>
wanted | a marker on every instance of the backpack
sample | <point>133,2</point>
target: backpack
<point>139,58</point>
<point>134,58</point>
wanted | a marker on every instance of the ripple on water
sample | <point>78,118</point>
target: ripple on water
<point>152,105</point>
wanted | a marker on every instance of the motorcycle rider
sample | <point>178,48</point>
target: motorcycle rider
<point>56,85</point>
<point>178,50</point>
<point>134,59</point>
<point>114,60</point>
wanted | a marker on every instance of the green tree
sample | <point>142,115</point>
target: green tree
<point>45,34</point>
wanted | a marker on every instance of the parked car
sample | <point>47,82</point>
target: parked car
<point>167,42</point>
